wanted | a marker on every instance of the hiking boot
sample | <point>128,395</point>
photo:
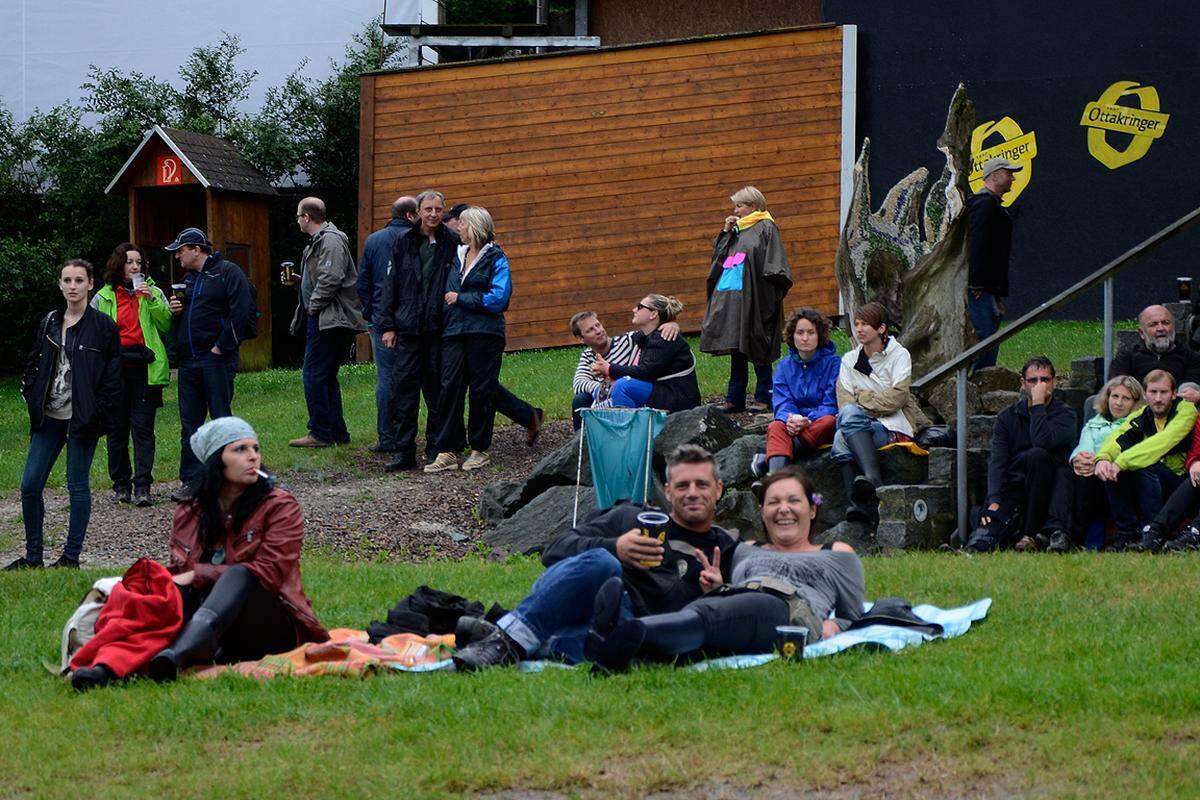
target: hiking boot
<point>185,493</point>
<point>141,497</point>
<point>469,630</point>
<point>1151,540</point>
<point>121,495</point>
<point>402,464</point>
<point>444,462</point>
<point>308,440</point>
<point>65,563</point>
<point>477,460</point>
<point>86,678</point>
<point>23,563</point>
<point>494,650</point>
<point>1188,539</point>
<point>1060,542</point>
<point>535,429</point>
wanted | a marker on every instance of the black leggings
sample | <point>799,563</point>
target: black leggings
<point>736,622</point>
<point>250,622</point>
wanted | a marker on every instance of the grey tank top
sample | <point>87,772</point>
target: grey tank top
<point>827,579</point>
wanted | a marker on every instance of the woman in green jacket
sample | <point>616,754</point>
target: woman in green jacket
<point>142,315</point>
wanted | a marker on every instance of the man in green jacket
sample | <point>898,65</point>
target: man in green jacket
<point>1142,461</point>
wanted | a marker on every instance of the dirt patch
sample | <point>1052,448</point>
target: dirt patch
<point>401,516</point>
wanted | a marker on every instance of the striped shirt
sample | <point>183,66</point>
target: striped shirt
<point>621,350</point>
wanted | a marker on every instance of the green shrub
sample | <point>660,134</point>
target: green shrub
<point>28,289</point>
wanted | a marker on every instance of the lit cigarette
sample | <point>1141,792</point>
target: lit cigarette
<point>262,474</point>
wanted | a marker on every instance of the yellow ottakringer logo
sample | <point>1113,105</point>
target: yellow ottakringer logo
<point>1144,124</point>
<point>1016,145</point>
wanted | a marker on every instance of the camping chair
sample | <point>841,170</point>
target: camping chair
<point>621,450</point>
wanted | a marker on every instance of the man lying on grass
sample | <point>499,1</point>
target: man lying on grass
<point>553,620</point>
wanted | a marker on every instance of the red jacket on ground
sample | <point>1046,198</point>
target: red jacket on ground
<point>142,616</point>
<point>268,545</point>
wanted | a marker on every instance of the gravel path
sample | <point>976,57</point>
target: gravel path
<point>405,516</point>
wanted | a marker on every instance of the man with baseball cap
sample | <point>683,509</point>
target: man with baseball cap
<point>217,312</point>
<point>990,241</point>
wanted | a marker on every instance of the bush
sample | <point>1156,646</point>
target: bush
<point>28,289</point>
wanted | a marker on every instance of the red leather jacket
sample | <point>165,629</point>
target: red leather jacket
<point>268,545</point>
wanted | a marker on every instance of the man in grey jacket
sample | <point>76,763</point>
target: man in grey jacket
<point>328,316</point>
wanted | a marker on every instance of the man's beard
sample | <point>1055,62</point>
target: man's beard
<point>1160,344</point>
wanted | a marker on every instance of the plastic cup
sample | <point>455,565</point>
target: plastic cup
<point>790,640</point>
<point>654,526</point>
<point>178,290</point>
<point>139,280</point>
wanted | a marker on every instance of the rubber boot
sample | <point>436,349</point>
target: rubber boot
<point>862,493</point>
<point>196,643</point>
<point>853,512</point>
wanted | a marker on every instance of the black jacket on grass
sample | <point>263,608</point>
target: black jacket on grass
<point>94,352</point>
<point>1021,427</point>
<point>658,590</point>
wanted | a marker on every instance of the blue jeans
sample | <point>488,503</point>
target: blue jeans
<point>580,401</point>
<point>631,393</point>
<point>385,414</point>
<point>1138,496</point>
<point>205,389</point>
<point>985,317</point>
<point>323,354</point>
<point>851,419</point>
<point>553,620</point>
<point>44,446</point>
<point>739,380</point>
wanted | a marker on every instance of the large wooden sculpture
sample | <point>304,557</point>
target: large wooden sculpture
<point>915,265</point>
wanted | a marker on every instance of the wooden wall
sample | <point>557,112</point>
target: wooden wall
<point>239,223</point>
<point>608,173</point>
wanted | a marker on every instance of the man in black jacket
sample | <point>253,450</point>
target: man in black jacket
<point>215,317</point>
<point>990,243</point>
<point>1159,350</point>
<point>1029,477</point>
<point>553,620</point>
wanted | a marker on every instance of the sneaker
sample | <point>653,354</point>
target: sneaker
<point>308,440</point>
<point>469,630</point>
<point>65,563</point>
<point>982,540</point>
<point>1188,539</point>
<point>534,430</point>
<point>141,497</point>
<point>184,493</point>
<point>477,460</point>
<point>1151,539</point>
<point>443,463</point>
<point>22,563</point>
<point>1060,542</point>
<point>121,495</point>
<point>758,465</point>
<point>494,650</point>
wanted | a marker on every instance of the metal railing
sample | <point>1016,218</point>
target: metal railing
<point>961,363</point>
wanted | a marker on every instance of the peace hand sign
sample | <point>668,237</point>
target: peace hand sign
<point>710,571</point>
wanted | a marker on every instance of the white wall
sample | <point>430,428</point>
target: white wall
<point>47,45</point>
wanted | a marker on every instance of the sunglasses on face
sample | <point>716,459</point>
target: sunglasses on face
<point>643,307</point>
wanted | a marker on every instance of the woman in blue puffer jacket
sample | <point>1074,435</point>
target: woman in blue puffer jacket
<point>803,393</point>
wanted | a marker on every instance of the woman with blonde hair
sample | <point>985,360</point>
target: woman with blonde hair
<point>664,373</point>
<point>477,295</point>
<point>747,281</point>
<point>1119,398</point>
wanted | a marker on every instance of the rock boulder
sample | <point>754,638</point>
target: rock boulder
<point>537,523</point>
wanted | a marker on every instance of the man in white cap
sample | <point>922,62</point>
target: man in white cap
<point>989,242</point>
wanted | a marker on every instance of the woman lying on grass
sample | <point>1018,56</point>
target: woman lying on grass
<point>235,555</point>
<point>788,581</point>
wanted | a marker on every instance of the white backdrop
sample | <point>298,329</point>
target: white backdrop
<point>47,45</point>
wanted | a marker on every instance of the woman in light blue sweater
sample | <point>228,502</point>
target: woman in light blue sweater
<point>1120,397</point>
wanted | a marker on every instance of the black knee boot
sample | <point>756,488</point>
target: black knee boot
<point>854,513</point>
<point>862,491</point>
<point>200,637</point>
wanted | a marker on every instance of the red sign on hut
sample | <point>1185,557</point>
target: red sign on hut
<point>169,171</point>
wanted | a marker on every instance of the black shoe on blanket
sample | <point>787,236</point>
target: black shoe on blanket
<point>494,650</point>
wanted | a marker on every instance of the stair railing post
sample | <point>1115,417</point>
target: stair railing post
<point>1108,324</point>
<point>960,452</point>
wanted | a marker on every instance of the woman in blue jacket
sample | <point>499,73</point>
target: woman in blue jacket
<point>478,288</point>
<point>803,393</point>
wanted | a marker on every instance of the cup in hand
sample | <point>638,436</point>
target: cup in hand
<point>178,290</point>
<point>139,280</point>
<point>654,526</point>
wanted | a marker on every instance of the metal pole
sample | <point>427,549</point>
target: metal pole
<point>1108,324</point>
<point>960,452</point>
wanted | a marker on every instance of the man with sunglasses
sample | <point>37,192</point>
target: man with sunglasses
<point>1029,476</point>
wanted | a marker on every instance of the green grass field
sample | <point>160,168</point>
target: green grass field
<point>273,401</point>
<point>1081,683</point>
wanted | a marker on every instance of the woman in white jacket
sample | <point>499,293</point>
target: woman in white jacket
<point>875,408</point>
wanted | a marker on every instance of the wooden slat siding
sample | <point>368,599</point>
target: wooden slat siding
<point>608,173</point>
<point>366,162</point>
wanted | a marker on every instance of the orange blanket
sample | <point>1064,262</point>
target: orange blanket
<point>348,652</point>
